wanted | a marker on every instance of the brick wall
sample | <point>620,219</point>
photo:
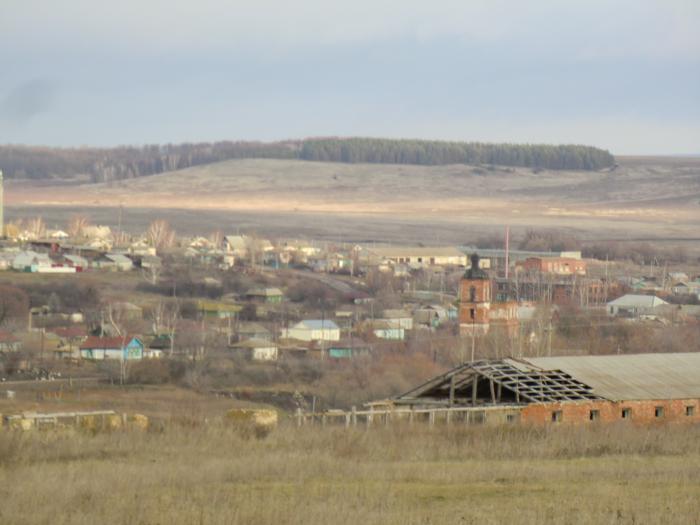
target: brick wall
<point>640,412</point>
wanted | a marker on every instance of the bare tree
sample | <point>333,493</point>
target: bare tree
<point>36,227</point>
<point>164,318</point>
<point>160,234</point>
<point>152,273</point>
<point>216,238</point>
<point>77,225</point>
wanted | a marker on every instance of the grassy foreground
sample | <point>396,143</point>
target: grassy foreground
<point>385,476</point>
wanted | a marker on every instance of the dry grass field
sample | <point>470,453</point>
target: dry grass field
<point>648,197</point>
<point>392,475</point>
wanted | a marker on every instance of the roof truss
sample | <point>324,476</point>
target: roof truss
<point>483,382</point>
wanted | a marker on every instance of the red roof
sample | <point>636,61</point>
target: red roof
<point>95,341</point>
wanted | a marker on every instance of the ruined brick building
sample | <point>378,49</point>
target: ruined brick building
<point>637,389</point>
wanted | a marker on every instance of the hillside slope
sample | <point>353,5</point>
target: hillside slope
<point>654,195</point>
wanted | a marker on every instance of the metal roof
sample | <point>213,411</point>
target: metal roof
<point>638,301</point>
<point>317,324</point>
<point>629,377</point>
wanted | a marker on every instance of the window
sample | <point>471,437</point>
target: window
<point>594,415</point>
<point>690,410</point>
<point>659,412</point>
<point>626,413</point>
<point>472,294</point>
<point>472,313</point>
<point>556,416</point>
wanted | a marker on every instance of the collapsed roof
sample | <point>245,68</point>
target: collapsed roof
<point>561,379</point>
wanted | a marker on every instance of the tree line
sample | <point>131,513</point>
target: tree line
<point>125,162</point>
<point>431,153</point>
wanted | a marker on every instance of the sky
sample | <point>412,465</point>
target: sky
<point>623,75</point>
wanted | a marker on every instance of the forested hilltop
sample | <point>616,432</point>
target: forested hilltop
<point>432,152</point>
<point>125,162</point>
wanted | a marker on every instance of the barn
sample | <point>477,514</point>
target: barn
<point>640,388</point>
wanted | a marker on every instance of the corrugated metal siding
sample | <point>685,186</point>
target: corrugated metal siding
<point>629,377</point>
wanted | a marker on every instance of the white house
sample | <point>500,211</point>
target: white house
<point>236,244</point>
<point>416,256</point>
<point>383,329</point>
<point>313,330</point>
<point>399,318</point>
<point>30,261</point>
<point>259,349</point>
<point>632,305</point>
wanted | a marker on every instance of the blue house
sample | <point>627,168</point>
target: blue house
<point>127,348</point>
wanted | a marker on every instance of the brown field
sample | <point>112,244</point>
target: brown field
<point>646,198</point>
<point>395,475</point>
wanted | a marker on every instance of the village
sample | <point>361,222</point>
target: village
<point>321,324</point>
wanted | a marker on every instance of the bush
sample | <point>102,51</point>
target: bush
<point>156,371</point>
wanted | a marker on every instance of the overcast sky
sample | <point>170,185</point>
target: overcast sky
<point>622,74</point>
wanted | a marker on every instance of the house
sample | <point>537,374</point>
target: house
<point>57,234</point>
<point>678,276</point>
<point>432,315</point>
<point>686,288</point>
<point>76,261</point>
<point>123,348</point>
<point>236,245</point>
<point>554,265</point>
<point>251,330</point>
<point>632,305</point>
<point>384,329</point>
<point>639,389</point>
<point>9,342</point>
<point>258,349</point>
<point>313,330</point>
<point>399,318</point>
<point>69,340</point>
<point>218,309</point>
<point>121,262</point>
<point>113,261</point>
<point>30,261</point>
<point>159,344</point>
<point>143,248</point>
<point>420,256</point>
<point>348,348</point>
<point>266,295</point>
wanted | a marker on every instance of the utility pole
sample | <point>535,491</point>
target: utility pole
<point>473,334</point>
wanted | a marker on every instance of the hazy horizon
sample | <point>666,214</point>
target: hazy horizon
<point>623,77</point>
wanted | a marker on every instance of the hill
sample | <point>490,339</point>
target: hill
<point>641,196</point>
<point>127,162</point>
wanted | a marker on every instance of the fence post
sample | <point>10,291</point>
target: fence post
<point>354,416</point>
<point>431,417</point>
<point>299,417</point>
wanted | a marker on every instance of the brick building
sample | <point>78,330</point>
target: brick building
<point>555,265</point>
<point>478,312</point>
<point>581,390</point>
